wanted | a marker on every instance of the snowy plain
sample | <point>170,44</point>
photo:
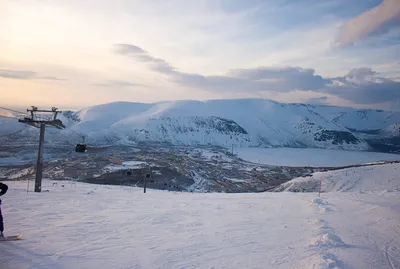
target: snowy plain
<point>94,226</point>
<point>298,157</point>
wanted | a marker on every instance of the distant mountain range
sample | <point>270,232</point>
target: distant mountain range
<point>238,122</point>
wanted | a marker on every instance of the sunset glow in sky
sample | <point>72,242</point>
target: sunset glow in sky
<point>73,54</point>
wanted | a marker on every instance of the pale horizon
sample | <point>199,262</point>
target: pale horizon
<point>73,55</point>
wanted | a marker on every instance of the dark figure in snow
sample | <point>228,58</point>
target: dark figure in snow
<point>3,190</point>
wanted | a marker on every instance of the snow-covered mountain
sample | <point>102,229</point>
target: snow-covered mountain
<point>241,122</point>
<point>392,130</point>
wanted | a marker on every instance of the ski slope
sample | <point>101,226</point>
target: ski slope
<point>93,226</point>
<point>311,157</point>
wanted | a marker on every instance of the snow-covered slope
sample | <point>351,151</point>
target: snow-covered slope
<point>249,122</point>
<point>358,119</point>
<point>391,130</point>
<point>10,127</point>
<point>383,177</point>
<point>80,226</point>
<point>241,122</point>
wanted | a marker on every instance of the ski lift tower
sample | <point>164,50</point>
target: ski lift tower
<point>39,119</point>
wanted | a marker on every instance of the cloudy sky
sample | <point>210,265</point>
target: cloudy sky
<point>78,53</point>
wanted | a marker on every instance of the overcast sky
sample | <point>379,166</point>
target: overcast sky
<point>78,53</point>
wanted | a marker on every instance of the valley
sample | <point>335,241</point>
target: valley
<point>181,168</point>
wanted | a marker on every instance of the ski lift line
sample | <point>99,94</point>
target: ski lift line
<point>81,147</point>
<point>8,117</point>
<point>75,132</point>
<point>12,110</point>
<point>13,132</point>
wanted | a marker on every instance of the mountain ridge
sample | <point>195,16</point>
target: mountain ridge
<point>225,122</point>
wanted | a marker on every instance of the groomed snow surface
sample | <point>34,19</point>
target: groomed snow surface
<point>299,157</point>
<point>93,226</point>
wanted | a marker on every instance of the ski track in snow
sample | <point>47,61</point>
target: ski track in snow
<point>94,226</point>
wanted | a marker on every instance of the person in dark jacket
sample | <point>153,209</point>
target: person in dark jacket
<point>3,190</point>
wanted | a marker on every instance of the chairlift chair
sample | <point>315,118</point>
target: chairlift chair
<point>82,147</point>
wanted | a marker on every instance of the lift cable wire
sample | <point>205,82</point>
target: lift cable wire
<point>13,132</point>
<point>12,110</point>
<point>68,142</point>
<point>80,147</point>
<point>82,136</point>
<point>41,117</point>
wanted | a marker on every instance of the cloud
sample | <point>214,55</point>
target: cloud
<point>23,74</point>
<point>141,55</point>
<point>51,78</point>
<point>318,100</point>
<point>286,78</point>
<point>364,86</point>
<point>359,85</point>
<point>15,74</point>
<point>376,21</point>
<point>255,79</point>
<point>126,49</point>
<point>280,79</point>
<point>117,84</point>
<point>360,73</point>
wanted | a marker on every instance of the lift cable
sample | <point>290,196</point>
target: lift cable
<point>12,110</point>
